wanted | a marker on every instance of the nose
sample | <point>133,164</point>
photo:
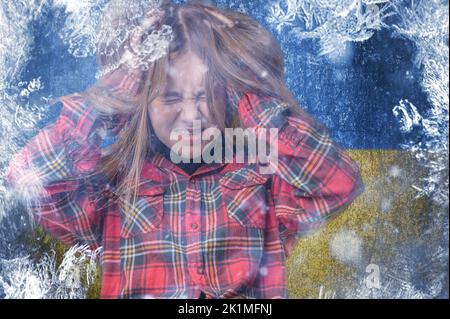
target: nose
<point>190,112</point>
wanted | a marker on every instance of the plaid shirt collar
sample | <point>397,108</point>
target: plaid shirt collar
<point>160,161</point>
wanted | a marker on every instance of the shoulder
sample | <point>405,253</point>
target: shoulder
<point>73,104</point>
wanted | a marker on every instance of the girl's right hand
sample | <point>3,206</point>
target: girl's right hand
<point>125,80</point>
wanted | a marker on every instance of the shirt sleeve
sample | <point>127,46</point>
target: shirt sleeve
<point>53,174</point>
<point>314,177</point>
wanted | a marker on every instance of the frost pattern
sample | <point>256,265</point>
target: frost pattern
<point>418,24</point>
<point>19,110</point>
<point>22,278</point>
<point>333,22</point>
<point>407,115</point>
<point>120,19</point>
<point>79,28</point>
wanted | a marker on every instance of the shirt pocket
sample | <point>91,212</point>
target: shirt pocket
<point>146,214</point>
<point>244,197</point>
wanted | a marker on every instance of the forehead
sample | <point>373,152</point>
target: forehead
<point>186,73</point>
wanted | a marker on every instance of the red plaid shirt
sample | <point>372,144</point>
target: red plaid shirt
<point>226,229</point>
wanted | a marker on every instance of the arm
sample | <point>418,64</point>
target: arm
<point>53,176</point>
<point>314,178</point>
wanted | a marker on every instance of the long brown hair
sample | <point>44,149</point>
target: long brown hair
<point>240,55</point>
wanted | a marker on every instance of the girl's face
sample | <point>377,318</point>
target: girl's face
<point>182,101</point>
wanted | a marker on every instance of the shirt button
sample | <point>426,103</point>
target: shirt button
<point>200,270</point>
<point>194,225</point>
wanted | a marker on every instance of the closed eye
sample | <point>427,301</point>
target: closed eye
<point>171,98</point>
<point>172,101</point>
<point>201,96</point>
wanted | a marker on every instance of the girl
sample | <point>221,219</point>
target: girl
<point>221,230</point>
